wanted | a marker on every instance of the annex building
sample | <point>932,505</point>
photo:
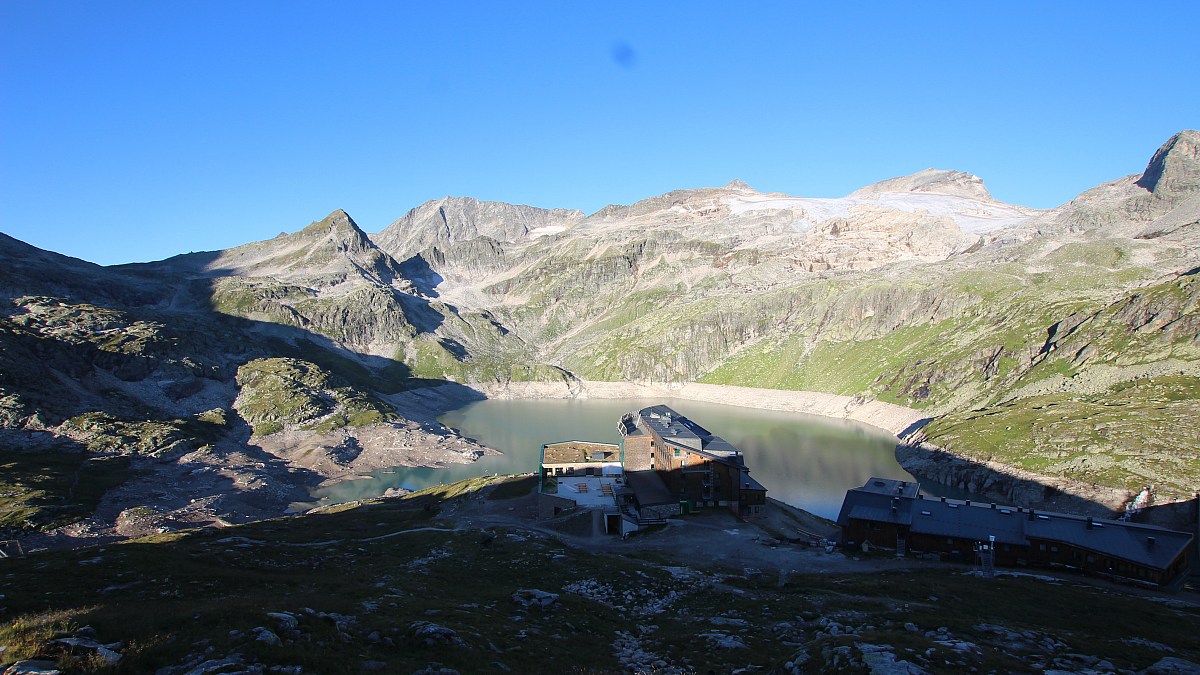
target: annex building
<point>893,514</point>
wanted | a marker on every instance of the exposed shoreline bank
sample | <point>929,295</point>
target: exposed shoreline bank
<point>894,419</point>
<point>925,461</point>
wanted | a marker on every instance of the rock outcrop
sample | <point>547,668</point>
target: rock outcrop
<point>449,220</point>
<point>955,183</point>
<point>1174,171</point>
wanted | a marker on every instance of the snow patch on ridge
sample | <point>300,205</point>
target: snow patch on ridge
<point>971,215</point>
<point>545,231</point>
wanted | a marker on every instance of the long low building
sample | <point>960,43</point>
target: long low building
<point>893,514</point>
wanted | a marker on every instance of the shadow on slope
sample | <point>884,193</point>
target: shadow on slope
<point>936,468</point>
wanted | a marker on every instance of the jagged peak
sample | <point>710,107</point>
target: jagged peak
<point>338,220</point>
<point>938,181</point>
<point>1175,167</point>
<point>339,227</point>
<point>739,185</point>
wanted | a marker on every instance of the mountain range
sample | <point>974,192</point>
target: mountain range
<point>1062,342</point>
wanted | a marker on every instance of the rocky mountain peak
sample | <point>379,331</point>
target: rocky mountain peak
<point>938,181</point>
<point>339,229</point>
<point>739,185</point>
<point>1175,168</point>
<point>339,223</point>
<point>444,221</point>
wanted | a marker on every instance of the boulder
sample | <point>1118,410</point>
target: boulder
<point>32,667</point>
<point>532,597</point>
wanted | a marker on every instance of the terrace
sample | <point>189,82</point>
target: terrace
<point>588,491</point>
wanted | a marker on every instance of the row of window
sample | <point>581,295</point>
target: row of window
<point>570,471</point>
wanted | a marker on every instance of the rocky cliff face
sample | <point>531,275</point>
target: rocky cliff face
<point>955,183</point>
<point>445,221</point>
<point>1174,171</point>
<point>1164,198</point>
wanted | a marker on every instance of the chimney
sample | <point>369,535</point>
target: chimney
<point>993,505</point>
<point>1090,522</point>
<point>1032,514</point>
<point>943,500</point>
<point>1149,542</point>
<point>968,502</point>
<point>895,504</point>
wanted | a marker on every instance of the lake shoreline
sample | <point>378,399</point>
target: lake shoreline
<point>925,461</point>
<point>894,419</point>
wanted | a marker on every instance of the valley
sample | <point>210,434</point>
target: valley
<point>1062,345</point>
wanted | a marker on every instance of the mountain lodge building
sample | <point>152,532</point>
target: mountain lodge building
<point>699,468</point>
<point>893,514</point>
<point>666,465</point>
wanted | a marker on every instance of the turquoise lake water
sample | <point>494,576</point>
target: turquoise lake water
<point>803,460</point>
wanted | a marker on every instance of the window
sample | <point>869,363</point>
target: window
<point>676,452</point>
<point>1041,547</point>
<point>1054,549</point>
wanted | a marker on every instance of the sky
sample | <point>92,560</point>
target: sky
<point>133,131</point>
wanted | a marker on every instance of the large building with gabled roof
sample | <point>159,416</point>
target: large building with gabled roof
<point>893,514</point>
<point>697,467</point>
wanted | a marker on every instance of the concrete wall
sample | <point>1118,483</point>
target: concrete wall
<point>552,505</point>
<point>659,511</point>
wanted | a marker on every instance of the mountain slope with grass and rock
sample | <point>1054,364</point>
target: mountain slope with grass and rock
<point>1062,343</point>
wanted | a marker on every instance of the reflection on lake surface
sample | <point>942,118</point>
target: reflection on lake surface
<point>803,460</point>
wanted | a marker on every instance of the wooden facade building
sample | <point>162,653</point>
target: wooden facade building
<point>894,514</point>
<point>698,468</point>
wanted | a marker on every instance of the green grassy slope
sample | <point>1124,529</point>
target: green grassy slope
<point>280,392</point>
<point>978,348</point>
<point>42,490</point>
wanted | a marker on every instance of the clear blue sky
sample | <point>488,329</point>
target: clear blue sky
<point>133,131</point>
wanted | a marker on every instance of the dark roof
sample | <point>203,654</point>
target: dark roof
<point>880,501</point>
<point>874,506</point>
<point>627,426</point>
<point>1120,539</point>
<point>749,483</point>
<point>953,518</point>
<point>679,430</point>
<point>649,488</point>
<point>888,486</point>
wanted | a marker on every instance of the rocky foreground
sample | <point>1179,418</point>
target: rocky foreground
<point>457,579</point>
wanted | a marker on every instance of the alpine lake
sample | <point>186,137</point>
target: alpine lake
<point>806,461</point>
